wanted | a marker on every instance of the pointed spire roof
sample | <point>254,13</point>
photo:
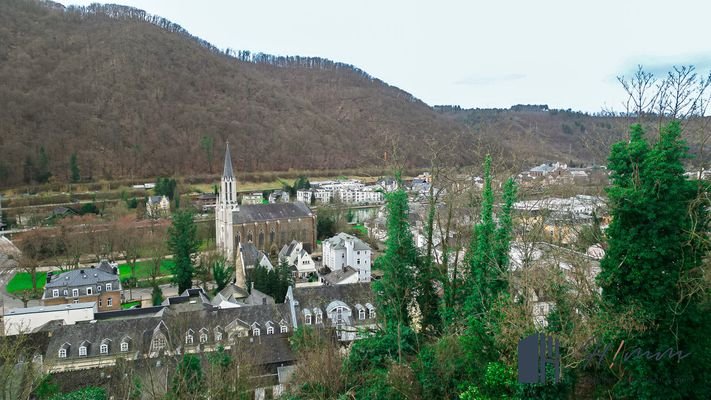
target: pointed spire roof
<point>228,163</point>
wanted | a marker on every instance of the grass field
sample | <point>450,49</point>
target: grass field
<point>126,306</point>
<point>23,281</point>
<point>143,269</point>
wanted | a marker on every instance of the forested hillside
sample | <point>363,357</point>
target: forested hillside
<point>134,95</point>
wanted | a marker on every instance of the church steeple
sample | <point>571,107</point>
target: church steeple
<point>228,162</point>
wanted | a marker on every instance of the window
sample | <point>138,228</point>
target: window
<point>75,292</point>
<point>371,313</point>
<point>203,338</point>
<point>108,286</point>
<point>124,346</point>
<point>104,349</point>
<point>218,336</point>
<point>318,318</point>
<point>55,293</point>
<point>98,288</point>
<point>89,291</point>
<point>361,314</point>
<point>255,332</point>
<point>99,301</point>
<point>358,252</point>
<point>62,353</point>
<point>188,339</point>
<point>308,319</point>
<point>343,255</point>
<point>82,351</point>
<point>158,343</point>
<point>284,329</point>
<point>66,293</point>
<point>358,261</point>
<point>109,302</point>
<point>270,330</point>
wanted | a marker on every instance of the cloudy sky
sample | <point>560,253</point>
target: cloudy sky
<point>566,54</point>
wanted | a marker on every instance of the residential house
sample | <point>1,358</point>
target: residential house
<point>252,198</point>
<point>341,276</point>
<point>157,206</point>
<point>99,284</point>
<point>345,250</point>
<point>347,310</point>
<point>298,259</point>
<point>279,196</point>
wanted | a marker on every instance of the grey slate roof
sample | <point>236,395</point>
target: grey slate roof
<point>338,242</point>
<point>173,325</point>
<point>83,278</point>
<point>40,309</point>
<point>267,212</point>
<point>340,275</point>
<point>321,296</point>
<point>154,199</point>
<point>250,254</point>
<point>228,163</point>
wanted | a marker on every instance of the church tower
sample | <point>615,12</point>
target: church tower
<point>226,206</point>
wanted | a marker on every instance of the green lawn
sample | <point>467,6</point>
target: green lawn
<point>23,281</point>
<point>143,269</point>
<point>361,228</point>
<point>126,306</point>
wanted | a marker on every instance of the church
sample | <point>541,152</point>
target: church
<point>268,226</point>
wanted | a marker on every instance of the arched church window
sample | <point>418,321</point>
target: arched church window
<point>249,237</point>
<point>261,240</point>
<point>271,236</point>
<point>282,234</point>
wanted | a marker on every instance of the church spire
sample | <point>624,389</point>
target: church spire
<point>228,162</point>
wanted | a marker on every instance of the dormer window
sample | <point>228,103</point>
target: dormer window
<point>361,313</point>
<point>75,292</point>
<point>159,343</point>
<point>89,291</point>
<point>82,350</point>
<point>66,293</point>
<point>62,353</point>
<point>318,317</point>
<point>104,349</point>
<point>371,313</point>
<point>124,346</point>
<point>218,336</point>
<point>108,286</point>
<point>256,332</point>
<point>98,288</point>
<point>308,319</point>
<point>188,339</point>
<point>55,293</point>
<point>203,338</point>
<point>283,329</point>
<point>270,330</point>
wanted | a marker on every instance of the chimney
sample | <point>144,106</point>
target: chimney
<point>115,269</point>
<point>49,277</point>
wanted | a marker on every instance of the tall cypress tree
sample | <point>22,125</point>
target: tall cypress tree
<point>75,175</point>
<point>183,243</point>
<point>651,274</point>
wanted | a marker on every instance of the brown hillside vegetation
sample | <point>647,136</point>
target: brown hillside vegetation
<point>133,95</point>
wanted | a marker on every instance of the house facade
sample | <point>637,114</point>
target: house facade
<point>157,206</point>
<point>299,259</point>
<point>99,284</point>
<point>344,250</point>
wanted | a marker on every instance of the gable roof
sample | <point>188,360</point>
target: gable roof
<point>322,296</point>
<point>338,242</point>
<point>339,275</point>
<point>250,254</point>
<point>267,212</point>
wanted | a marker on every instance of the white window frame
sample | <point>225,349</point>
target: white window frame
<point>361,313</point>
<point>218,336</point>
<point>108,287</point>
<point>75,292</point>
<point>371,313</point>
<point>188,339</point>
<point>124,346</point>
<point>256,332</point>
<point>318,318</point>
<point>62,353</point>
<point>158,343</point>
<point>98,288</point>
<point>109,302</point>
<point>283,329</point>
<point>82,351</point>
<point>270,330</point>
<point>203,338</point>
<point>55,293</point>
<point>89,291</point>
<point>104,349</point>
<point>66,293</point>
<point>308,319</point>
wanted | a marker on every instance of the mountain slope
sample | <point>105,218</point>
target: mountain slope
<point>134,99</point>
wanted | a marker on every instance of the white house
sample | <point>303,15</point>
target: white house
<point>279,196</point>
<point>296,257</point>
<point>157,206</point>
<point>26,320</point>
<point>345,250</point>
<point>252,198</point>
